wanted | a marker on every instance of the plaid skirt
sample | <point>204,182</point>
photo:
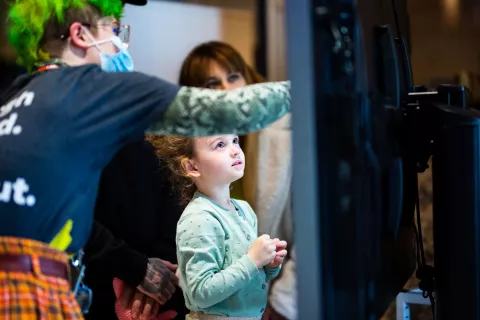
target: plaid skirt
<point>33,295</point>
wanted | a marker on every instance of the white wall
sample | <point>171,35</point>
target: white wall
<point>163,33</point>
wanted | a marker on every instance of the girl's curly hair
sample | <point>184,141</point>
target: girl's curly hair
<point>37,28</point>
<point>174,151</point>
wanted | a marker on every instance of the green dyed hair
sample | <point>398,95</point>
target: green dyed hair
<point>37,27</point>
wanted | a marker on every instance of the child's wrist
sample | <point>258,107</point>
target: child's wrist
<point>254,261</point>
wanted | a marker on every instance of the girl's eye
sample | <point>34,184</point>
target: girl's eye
<point>220,145</point>
<point>236,140</point>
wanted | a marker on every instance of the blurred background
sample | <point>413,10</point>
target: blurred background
<point>444,42</point>
<point>444,36</point>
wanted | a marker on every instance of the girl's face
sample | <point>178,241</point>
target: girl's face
<point>218,160</point>
<point>221,79</point>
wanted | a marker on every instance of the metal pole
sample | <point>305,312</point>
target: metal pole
<point>301,61</point>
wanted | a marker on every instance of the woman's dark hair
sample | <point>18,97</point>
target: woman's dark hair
<point>195,68</point>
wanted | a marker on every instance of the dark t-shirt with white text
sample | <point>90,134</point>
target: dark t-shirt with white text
<point>58,130</point>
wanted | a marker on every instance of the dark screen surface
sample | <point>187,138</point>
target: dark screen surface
<point>354,236</point>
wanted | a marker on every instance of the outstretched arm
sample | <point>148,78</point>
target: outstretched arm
<point>204,112</point>
<point>129,103</point>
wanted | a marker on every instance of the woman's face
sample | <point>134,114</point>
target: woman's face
<point>221,79</point>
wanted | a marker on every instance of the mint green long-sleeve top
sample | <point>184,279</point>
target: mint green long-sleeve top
<point>217,276</point>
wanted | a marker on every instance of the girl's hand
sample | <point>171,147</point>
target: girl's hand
<point>262,251</point>
<point>280,255</point>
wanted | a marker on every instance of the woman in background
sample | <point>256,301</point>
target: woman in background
<point>267,180</point>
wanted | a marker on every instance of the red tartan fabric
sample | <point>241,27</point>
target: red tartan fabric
<point>33,295</point>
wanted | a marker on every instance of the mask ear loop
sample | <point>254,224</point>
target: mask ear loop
<point>95,43</point>
<point>117,42</point>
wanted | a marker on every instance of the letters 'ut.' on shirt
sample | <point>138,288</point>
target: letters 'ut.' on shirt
<point>58,130</point>
<point>217,276</point>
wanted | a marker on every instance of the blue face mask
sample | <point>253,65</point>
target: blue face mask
<point>120,62</point>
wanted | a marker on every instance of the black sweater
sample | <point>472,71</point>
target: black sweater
<point>136,217</point>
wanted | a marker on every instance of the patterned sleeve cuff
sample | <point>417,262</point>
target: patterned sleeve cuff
<point>272,273</point>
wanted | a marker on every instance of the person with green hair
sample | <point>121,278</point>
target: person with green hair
<point>63,122</point>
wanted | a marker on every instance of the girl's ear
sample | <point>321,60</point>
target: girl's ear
<point>190,168</point>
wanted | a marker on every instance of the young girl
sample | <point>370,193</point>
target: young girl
<point>266,184</point>
<point>224,267</point>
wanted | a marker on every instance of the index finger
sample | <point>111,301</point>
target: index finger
<point>138,303</point>
<point>281,244</point>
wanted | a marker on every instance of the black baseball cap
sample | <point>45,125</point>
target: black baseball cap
<point>135,2</point>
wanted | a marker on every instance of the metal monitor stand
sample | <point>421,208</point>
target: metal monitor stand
<point>307,58</point>
<point>305,158</point>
